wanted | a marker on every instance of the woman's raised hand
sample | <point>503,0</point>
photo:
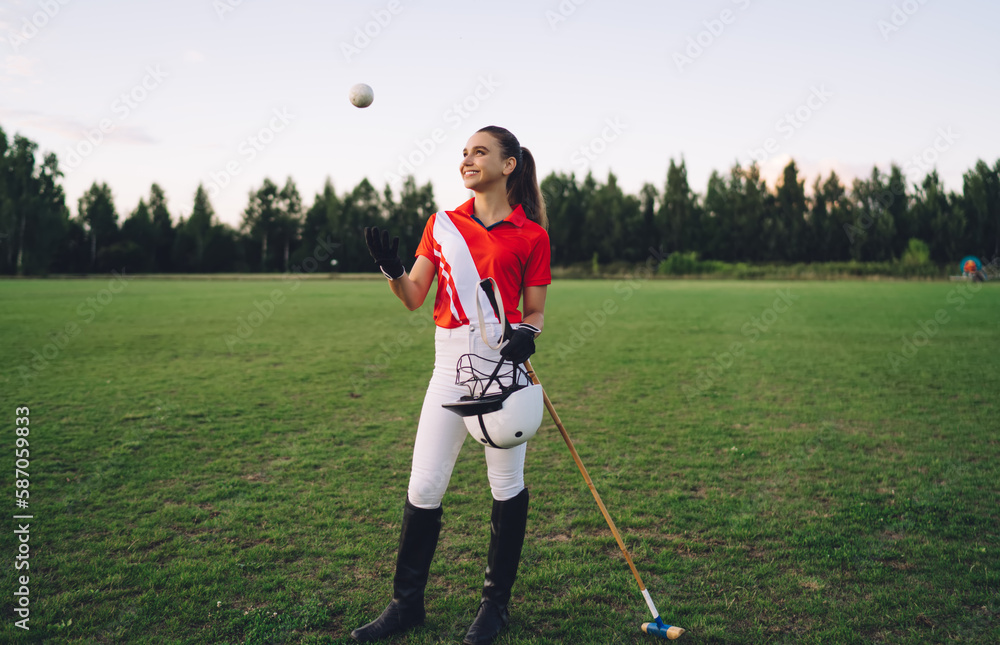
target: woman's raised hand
<point>385,253</point>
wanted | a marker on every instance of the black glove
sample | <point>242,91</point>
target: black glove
<point>386,255</point>
<point>521,344</point>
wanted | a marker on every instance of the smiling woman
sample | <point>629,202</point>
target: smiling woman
<point>521,183</point>
<point>500,234</point>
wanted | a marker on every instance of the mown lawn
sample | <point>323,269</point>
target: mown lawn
<point>789,462</point>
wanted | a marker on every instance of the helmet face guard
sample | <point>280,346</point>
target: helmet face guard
<point>503,408</point>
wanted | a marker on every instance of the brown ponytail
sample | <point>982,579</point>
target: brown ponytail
<point>522,184</point>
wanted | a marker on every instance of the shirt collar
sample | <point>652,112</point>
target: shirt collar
<point>516,217</point>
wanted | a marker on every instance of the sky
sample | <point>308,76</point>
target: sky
<point>226,93</point>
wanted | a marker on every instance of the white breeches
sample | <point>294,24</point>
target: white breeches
<point>440,433</point>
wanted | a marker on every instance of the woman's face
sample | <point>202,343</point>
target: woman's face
<point>482,166</point>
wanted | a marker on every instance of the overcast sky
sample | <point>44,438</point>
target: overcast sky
<point>228,92</point>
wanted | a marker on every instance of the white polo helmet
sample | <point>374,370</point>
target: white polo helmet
<point>503,408</point>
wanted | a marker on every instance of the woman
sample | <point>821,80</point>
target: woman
<point>499,233</point>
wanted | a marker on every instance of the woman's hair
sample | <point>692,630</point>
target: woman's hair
<point>522,184</point>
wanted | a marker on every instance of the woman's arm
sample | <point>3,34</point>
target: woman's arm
<point>534,307</point>
<point>412,287</point>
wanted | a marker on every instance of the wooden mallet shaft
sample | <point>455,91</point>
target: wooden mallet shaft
<point>669,631</point>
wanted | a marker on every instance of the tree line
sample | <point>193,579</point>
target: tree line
<point>737,219</point>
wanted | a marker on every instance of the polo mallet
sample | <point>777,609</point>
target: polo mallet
<point>658,627</point>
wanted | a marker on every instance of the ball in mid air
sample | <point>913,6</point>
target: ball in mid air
<point>361,95</point>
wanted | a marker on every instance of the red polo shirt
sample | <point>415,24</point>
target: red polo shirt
<point>515,252</point>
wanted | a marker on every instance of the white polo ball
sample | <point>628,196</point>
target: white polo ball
<point>361,95</point>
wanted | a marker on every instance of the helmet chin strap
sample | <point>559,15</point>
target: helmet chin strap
<point>486,435</point>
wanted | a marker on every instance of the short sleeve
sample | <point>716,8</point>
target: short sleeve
<point>427,243</point>
<point>537,270</point>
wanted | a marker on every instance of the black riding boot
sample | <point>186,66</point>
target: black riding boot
<point>506,539</point>
<point>417,542</point>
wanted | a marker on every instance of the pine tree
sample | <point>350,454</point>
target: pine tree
<point>96,209</point>
<point>836,240</point>
<point>260,219</point>
<point>873,234</point>
<point>791,206</point>
<point>138,231</point>
<point>163,227</point>
<point>289,221</point>
<point>678,213</point>
<point>940,219</point>
<point>981,205</point>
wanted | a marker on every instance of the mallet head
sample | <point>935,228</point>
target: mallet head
<point>662,630</point>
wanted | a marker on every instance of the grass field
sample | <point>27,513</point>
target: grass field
<point>793,462</point>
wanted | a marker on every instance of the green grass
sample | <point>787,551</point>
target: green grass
<point>792,485</point>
